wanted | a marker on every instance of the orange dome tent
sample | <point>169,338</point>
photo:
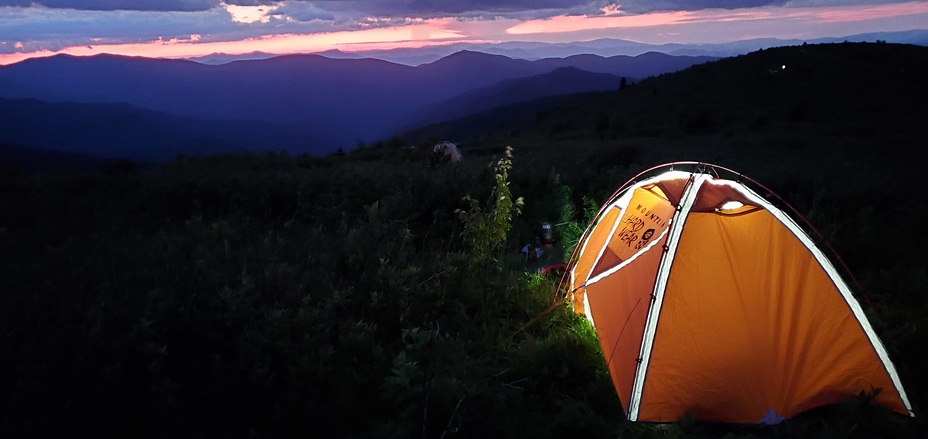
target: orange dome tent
<point>712,303</point>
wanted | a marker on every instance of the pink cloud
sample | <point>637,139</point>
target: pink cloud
<point>575,23</point>
<point>423,33</point>
<point>11,58</point>
<point>871,12</point>
<point>615,19</point>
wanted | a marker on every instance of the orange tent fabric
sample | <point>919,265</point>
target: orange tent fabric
<point>712,303</point>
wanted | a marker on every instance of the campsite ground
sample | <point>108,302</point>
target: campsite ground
<point>349,296</point>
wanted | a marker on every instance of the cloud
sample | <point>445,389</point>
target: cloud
<point>252,2</point>
<point>302,12</point>
<point>384,8</point>
<point>499,6</point>
<point>644,6</point>
<point>36,25</point>
<point>113,5</point>
<point>430,8</point>
<point>53,29</point>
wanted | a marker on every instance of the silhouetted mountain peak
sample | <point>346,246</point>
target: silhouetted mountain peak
<point>217,58</point>
<point>584,57</point>
<point>571,72</point>
<point>318,62</point>
<point>470,55</point>
<point>654,55</point>
<point>98,60</point>
<point>471,58</point>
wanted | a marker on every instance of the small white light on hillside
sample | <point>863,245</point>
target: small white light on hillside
<point>784,66</point>
<point>731,205</point>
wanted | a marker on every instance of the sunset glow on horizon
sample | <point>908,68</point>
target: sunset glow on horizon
<point>305,26</point>
<point>369,39</point>
<point>779,15</point>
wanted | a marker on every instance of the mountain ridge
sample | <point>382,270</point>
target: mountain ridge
<point>337,103</point>
<point>518,90</point>
<point>531,50</point>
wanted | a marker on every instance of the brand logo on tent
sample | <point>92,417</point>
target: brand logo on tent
<point>645,237</point>
<point>634,224</point>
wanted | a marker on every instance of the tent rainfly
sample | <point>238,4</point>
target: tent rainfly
<point>710,303</point>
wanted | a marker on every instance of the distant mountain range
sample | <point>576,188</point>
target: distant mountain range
<point>607,47</point>
<point>152,109</point>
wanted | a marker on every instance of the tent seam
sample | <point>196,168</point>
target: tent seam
<point>660,286</point>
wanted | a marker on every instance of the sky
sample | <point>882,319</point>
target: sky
<point>190,28</point>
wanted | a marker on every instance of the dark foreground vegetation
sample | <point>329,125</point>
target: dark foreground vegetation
<point>373,295</point>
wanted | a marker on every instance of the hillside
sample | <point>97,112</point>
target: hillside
<point>126,131</point>
<point>17,160</point>
<point>788,104</point>
<point>840,127</point>
<point>560,81</point>
<point>373,294</point>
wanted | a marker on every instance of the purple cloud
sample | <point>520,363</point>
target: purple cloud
<point>110,5</point>
<point>465,6</point>
<point>642,6</point>
<point>425,8</point>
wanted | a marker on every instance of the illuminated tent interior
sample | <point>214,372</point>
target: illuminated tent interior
<point>710,303</point>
